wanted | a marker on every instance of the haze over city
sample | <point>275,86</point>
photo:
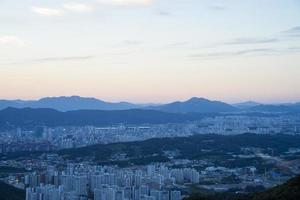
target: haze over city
<point>151,50</point>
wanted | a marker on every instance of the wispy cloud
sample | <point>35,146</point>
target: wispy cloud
<point>229,53</point>
<point>177,44</point>
<point>295,29</point>
<point>78,7</point>
<point>71,58</point>
<point>127,2</point>
<point>71,7</point>
<point>45,11</point>
<point>164,13</point>
<point>294,48</point>
<point>241,41</point>
<point>131,42</point>
<point>246,52</point>
<point>9,40</point>
<point>218,6</point>
<point>50,59</point>
<point>254,51</point>
<point>128,43</point>
<point>292,32</point>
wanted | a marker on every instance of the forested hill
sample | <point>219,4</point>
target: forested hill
<point>195,147</point>
<point>8,192</point>
<point>287,191</point>
<point>26,117</point>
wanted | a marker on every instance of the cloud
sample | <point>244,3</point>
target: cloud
<point>81,7</point>
<point>128,43</point>
<point>295,29</point>
<point>164,13</point>
<point>11,40</point>
<point>246,52</point>
<point>177,44</point>
<point>71,58</point>
<point>47,11</point>
<point>131,42</point>
<point>65,8</point>
<point>78,7</point>
<point>240,41</point>
<point>292,32</point>
<point>127,2</point>
<point>294,48</point>
<point>251,51</point>
<point>218,7</point>
<point>50,59</point>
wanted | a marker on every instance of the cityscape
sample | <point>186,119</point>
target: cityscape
<point>55,138</point>
<point>149,100</point>
<point>44,161</point>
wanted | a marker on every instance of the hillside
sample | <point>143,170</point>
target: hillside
<point>28,117</point>
<point>287,191</point>
<point>212,146</point>
<point>8,192</point>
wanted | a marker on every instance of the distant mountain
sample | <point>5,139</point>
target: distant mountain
<point>193,105</point>
<point>246,105</point>
<point>287,108</point>
<point>196,105</point>
<point>68,103</point>
<point>31,117</point>
<point>252,106</point>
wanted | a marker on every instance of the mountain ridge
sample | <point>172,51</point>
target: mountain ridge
<point>64,103</point>
<point>192,105</point>
<point>196,105</point>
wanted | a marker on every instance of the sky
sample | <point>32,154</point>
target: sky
<point>151,50</point>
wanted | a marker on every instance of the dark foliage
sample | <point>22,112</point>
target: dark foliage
<point>287,191</point>
<point>31,118</point>
<point>213,147</point>
<point>8,192</point>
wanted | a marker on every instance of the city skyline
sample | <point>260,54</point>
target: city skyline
<point>146,51</point>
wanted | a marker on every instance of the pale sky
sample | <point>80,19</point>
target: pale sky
<point>151,50</point>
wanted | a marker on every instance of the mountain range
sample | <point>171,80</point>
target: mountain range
<point>193,105</point>
<point>68,103</point>
<point>197,105</point>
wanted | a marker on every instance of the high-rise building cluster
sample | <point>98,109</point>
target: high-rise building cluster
<point>82,182</point>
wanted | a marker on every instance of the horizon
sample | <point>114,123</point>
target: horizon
<point>155,103</point>
<point>151,50</point>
